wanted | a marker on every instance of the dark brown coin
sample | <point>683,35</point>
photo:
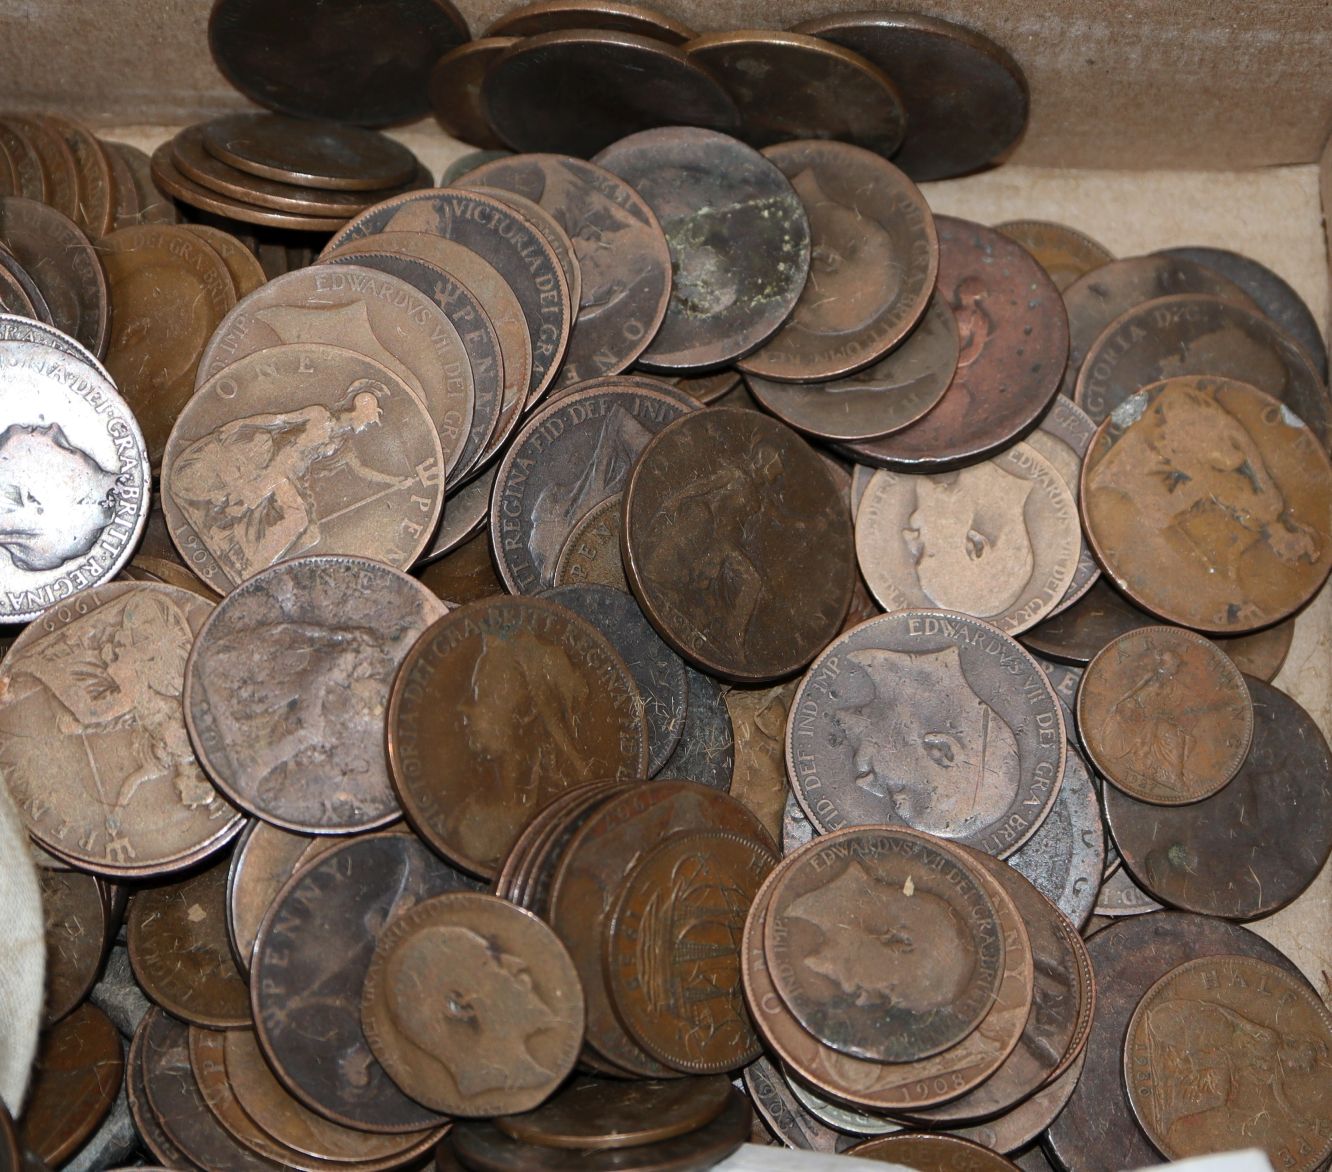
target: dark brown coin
<point>1063,436</point>
<point>706,752</point>
<point>548,16</point>
<point>181,951</point>
<point>11,1155</point>
<point>465,516</point>
<point>1063,252</point>
<point>30,179</point>
<point>59,170</point>
<point>1016,1130</point>
<point>14,299</point>
<point>79,1071</point>
<point>491,691</point>
<point>932,1153</point>
<point>916,960</point>
<point>577,91</point>
<point>1218,1020</point>
<point>307,59</point>
<point>1210,504</point>
<point>1096,1131</point>
<point>247,274</point>
<point>1065,680</point>
<point>933,62</point>
<point>455,92</point>
<point>17,276</point>
<point>93,178</point>
<point>264,859</point>
<point>591,552</point>
<point>789,85</point>
<point>309,966</point>
<point>466,574</point>
<point>155,1140</point>
<point>1172,337</point>
<point>712,515</point>
<point>78,930</point>
<point>1255,845</point>
<point>786,1117</point>
<point>550,229</point>
<point>1014,343</point>
<point>128,206</point>
<point>932,720</point>
<point>710,193</point>
<point>1165,716</point>
<point>874,260</point>
<point>61,262</point>
<point>154,207</point>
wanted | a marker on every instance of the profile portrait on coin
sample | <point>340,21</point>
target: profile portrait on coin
<point>921,738</point>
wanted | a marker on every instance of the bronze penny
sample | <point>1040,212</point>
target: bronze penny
<point>758,720</point>
<point>788,85</point>
<point>1221,543</point>
<point>63,265</point>
<point>835,1114</point>
<point>1224,1016</point>
<point>1065,681</point>
<point>465,515</point>
<point>1121,896</point>
<point>1165,716</point>
<point>1063,252</point>
<point>706,752</point>
<point>1016,1130</point>
<point>308,153</point>
<point>314,949</point>
<point>512,1018</point>
<point>932,1153</point>
<point>154,206</point>
<point>29,175</point>
<point>548,16</point>
<point>1014,344</point>
<point>18,278</point>
<point>709,192</point>
<point>455,92</point>
<point>59,170</point>
<point>495,685</point>
<point>591,552</point>
<point>786,1117</point>
<point>310,61</point>
<point>466,574</point>
<point>666,920</point>
<point>247,274</point>
<point>1063,436</point>
<point>621,251</point>
<point>917,958</point>
<point>14,299</point>
<point>1194,335</point>
<point>713,517</point>
<point>551,231</point>
<point>77,930</point>
<point>358,471</point>
<point>11,1155</point>
<point>934,62</point>
<point>264,859</point>
<point>932,720</point>
<point>1253,846</point>
<point>874,260</point>
<point>112,783</point>
<point>998,539</point>
<point>126,213</point>
<point>93,179</point>
<point>707,388</point>
<point>155,1140</point>
<point>169,291</point>
<point>79,1071</point>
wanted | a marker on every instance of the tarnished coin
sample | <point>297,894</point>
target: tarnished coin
<point>787,1117</point>
<point>576,91</point>
<point>706,752</point>
<point>301,449</point>
<point>550,229</point>
<point>1165,716</point>
<point>739,240</point>
<point>1063,252</point>
<point>789,85</point>
<point>455,93</point>
<point>466,574</point>
<point>465,516</point>
<point>154,207</point>
<point>931,720</point>
<point>998,540</point>
<point>29,176</point>
<point>931,1153</point>
<point>153,1136</point>
<point>264,859</point>
<point>55,159</point>
<point>1173,337</point>
<point>1120,896</point>
<point>1063,436</point>
<point>1253,846</point>
<point>1016,1130</point>
<point>78,928</point>
<point>713,521</point>
<point>111,784</point>
<point>23,290</point>
<point>548,16</point>
<point>521,692</point>
<point>849,1119</point>
<point>591,552</point>
<point>287,685</point>
<point>1255,1039</point>
<point>758,720</point>
<point>94,181</point>
<point>181,953</point>
<point>247,274</point>
<point>1065,680</point>
<point>934,63</point>
<point>1210,504</point>
<point>306,994</point>
<point>14,298</point>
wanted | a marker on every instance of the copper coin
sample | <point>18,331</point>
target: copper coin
<point>314,949</point>
<point>14,299</point>
<point>621,251</point>
<point>1224,543</point>
<point>1063,252</point>
<point>917,958</point>
<point>77,922</point>
<point>1096,1131</point>
<point>154,207</point>
<point>11,1155</point>
<point>264,859</point>
<point>1014,343</point>
<point>455,92</point>
<point>758,719</point>
<point>23,286</point>
<point>686,1011</point>
<point>851,1120</point>
<point>112,783</point>
<point>308,153</point>
<point>94,181</point>
<point>1121,896</point>
<point>1173,337</point>
<point>59,170</point>
<point>314,62</point>
<point>934,62</point>
<point>551,230</point>
<point>998,539</point>
<point>574,453</point>
<point>128,206</point>
<point>246,273</point>
<point>61,262</point>
<point>591,552</point>
<point>1165,716</point>
<point>786,1117</point>
<point>932,1153</point>
<point>1253,846</point>
<point>29,175</point>
<point>465,515</point>
<point>706,752</point>
<point>1065,681</point>
<point>548,16</point>
<point>491,691</point>
<point>466,574</point>
<point>1016,1130</point>
<point>78,1073</point>
<point>169,291</point>
<point>1217,1020</point>
<point>154,1139</point>
<point>932,720</point>
<point>712,517</point>
<point>301,449</point>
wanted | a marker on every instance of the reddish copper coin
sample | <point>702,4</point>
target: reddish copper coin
<point>455,90</point>
<point>465,574</point>
<point>932,1153</point>
<point>1063,252</point>
<point>264,859</point>
<point>151,1133</point>
<point>548,16</point>
<point>59,170</point>
<point>247,274</point>
<point>94,181</point>
<point>78,930</point>
<point>29,176</point>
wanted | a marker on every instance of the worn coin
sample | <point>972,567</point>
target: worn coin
<point>739,239</point>
<point>153,206</point>
<point>77,929</point>
<point>758,720</point>
<point>720,522</point>
<point>932,720</point>
<point>151,1133</point>
<point>264,859</point>
<point>466,574</point>
<point>455,93</point>
<point>547,16</point>
<point>14,299</point>
<point>786,1116</point>
<point>1219,1020</point>
<point>1063,252</point>
<point>551,230</point>
<point>301,449</point>
<point>1121,896</point>
<point>24,288</point>
<point>591,552</point>
<point>706,752</point>
<point>93,177</point>
<point>465,515</point>
<point>1065,681</point>
<point>54,157</point>
<point>932,1153</point>
<point>848,1119</point>
<point>29,175</point>
<point>1223,543</point>
<point>247,274</point>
